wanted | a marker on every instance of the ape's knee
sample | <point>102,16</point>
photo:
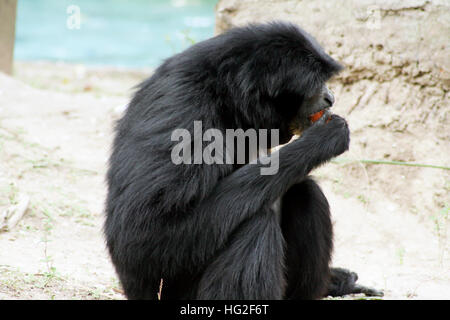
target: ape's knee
<point>305,197</point>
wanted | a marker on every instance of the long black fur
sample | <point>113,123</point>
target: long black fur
<point>211,231</point>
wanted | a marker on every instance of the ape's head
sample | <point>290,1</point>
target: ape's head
<point>277,74</point>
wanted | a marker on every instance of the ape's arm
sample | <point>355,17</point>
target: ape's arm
<point>245,192</point>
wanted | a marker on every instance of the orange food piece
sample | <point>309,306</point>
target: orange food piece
<point>316,116</point>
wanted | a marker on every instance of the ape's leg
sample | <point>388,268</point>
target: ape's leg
<point>343,282</point>
<point>251,264</point>
<point>307,229</point>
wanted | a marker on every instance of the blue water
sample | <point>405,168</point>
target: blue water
<point>127,33</point>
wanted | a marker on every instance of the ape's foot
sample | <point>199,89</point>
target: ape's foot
<point>343,282</point>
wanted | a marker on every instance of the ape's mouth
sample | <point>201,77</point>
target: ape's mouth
<point>316,116</point>
<point>303,122</point>
<point>319,114</point>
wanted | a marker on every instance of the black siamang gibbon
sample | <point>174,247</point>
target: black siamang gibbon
<point>224,230</point>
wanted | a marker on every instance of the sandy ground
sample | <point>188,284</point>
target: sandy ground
<point>55,133</point>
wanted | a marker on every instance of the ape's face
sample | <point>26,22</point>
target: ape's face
<point>296,109</point>
<point>323,99</point>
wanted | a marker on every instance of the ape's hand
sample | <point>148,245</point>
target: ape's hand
<point>331,134</point>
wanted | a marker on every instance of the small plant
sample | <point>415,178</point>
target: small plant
<point>12,193</point>
<point>48,226</point>
<point>401,255</point>
<point>363,199</point>
<point>440,221</point>
<point>187,37</point>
